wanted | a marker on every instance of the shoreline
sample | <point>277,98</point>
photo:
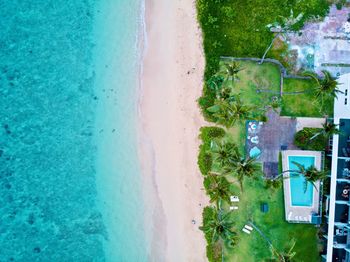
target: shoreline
<point>170,83</point>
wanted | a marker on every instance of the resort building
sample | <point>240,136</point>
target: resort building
<point>337,201</point>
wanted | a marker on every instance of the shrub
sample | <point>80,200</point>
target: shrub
<point>302,139</point>
<point>273,184</point>
<point>205,160</point>
<point>213,250</point>
<point>207,100</point>
<point>207,134</point>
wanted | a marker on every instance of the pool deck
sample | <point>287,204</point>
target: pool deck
<point>300,214</point>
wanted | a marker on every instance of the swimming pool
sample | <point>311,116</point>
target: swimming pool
<point>298,196</point>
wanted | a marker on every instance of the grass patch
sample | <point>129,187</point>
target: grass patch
<point>253,247</point>
<point>237,135</point>
<point>256,84</point>
<point>303,104</point>
<point>239,28</point>
<point>280,168</point>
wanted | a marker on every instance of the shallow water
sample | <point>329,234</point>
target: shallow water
<point>57,190</point>
<point>118,171</point>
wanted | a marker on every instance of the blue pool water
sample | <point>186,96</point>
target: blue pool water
<point>69,175</point>
<point>254,152</point>
<point>298,196</point>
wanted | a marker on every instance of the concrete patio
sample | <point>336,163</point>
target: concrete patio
<point>275,135</point>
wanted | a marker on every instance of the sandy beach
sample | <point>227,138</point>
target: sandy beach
<point>171,83</point>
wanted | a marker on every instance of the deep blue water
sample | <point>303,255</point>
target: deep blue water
<point>50,206</point>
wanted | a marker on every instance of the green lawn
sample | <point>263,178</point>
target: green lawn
<point>254,78</point>
<point>303,104</point>
<point>266,79</point>
<point>252,247</point>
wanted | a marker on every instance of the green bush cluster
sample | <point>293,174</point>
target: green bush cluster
<point>207,100</point>
<point>302,139</point>
<point>205,160</point>
<point>213,250</point>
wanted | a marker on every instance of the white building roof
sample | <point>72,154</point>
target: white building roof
<point>342,103</point>
<point>341,110</point>
<point>332,195</point>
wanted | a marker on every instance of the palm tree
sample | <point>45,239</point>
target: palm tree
<point>231,71</point>
<point>279,256</point>
<point>223,152</point>
<point>218,226</point>
<point>325,87</point>
<point>284,256</point>
<point>311,174</point>
<point>218,188</point>
<point>229,112</point>
<point>287,24</point>
<point>328,129</point>
<point>215,84</point>
<point>244,167</point>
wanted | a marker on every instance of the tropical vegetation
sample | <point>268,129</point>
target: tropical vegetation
<point>220,185</point>
<point>236,91</point>
<point>297,92</point>
<point>325,87</point>
<point>311,174</point>
<point>242,28</point>
<point>328,129</point>
<point>302,139</point>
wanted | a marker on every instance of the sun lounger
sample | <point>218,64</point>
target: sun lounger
<point>234,198</point>
<point>255,140</point>
<point>233,207</point>
<point>246,231</point>
<point>248,227</point>
<point>290,215</point>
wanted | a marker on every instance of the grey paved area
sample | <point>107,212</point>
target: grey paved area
<point>276,134</point>
<point>278,131</point>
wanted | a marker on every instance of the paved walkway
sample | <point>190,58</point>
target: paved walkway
<point>275,134</point>
<point>309,122</point>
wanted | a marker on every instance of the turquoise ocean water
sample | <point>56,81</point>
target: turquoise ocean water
<point>69,174</point>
